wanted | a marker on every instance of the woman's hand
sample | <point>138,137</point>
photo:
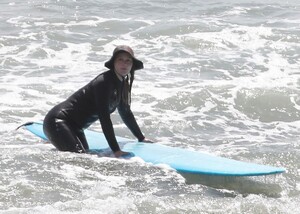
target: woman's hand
<point>120,153</point>
<point>147,141</point>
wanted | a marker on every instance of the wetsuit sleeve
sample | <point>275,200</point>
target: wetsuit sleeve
<point>108,131</point>
<point>130,121</point>
<point>101,93</point>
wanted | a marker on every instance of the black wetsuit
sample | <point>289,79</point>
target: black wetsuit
<point>64,124</point>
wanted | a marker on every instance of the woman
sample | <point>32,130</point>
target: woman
<point>64,124</point>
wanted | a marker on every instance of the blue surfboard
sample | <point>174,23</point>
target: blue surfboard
<point>182,160</point>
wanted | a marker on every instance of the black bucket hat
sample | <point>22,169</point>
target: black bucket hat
<point>137,64</point>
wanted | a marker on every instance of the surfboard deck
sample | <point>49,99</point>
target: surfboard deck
<point>182,160</point>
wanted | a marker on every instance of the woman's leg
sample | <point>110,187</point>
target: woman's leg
<point>64,136</point>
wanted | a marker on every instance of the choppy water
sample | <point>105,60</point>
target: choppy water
<point>220,77</point>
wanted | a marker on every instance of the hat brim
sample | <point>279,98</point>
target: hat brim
<point>137,64</point>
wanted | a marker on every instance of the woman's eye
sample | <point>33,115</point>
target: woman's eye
<point>127,61</point>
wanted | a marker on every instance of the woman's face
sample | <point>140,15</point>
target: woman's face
<point>123,63</point>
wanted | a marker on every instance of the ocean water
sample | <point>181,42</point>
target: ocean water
<point>221,77</point>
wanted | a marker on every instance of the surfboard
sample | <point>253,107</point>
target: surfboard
<point>182,160</point>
